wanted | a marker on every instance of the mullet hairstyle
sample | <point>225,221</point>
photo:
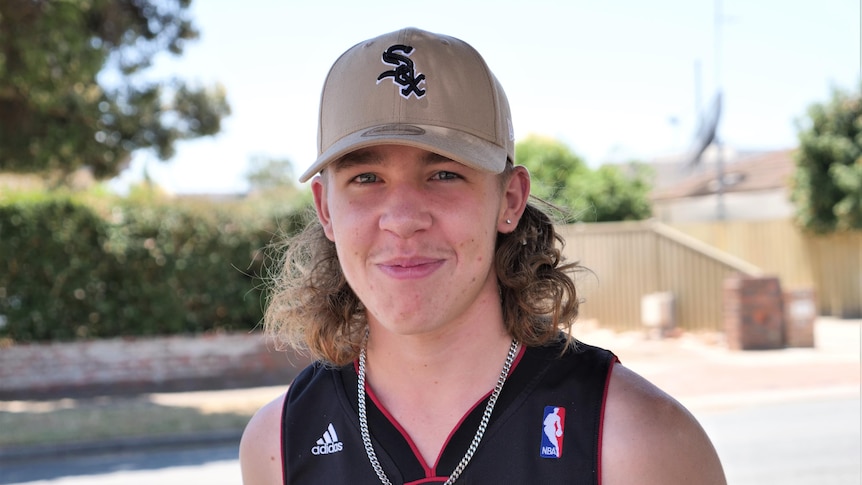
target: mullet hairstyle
<point>312,309</point>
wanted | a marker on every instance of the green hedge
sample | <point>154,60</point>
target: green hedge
<point>72,270</point>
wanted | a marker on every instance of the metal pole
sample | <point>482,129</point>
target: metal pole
<point>719,162</point>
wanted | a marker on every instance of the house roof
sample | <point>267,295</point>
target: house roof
<point>767,171</point>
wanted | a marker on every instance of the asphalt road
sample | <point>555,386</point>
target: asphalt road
<point>801,442</point>
<point>811,442</point>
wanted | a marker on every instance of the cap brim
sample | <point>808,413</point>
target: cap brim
<point>470,150</point>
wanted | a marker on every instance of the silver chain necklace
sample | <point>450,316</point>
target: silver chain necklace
<point>486,416</point>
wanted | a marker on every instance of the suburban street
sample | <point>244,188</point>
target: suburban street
<point>809,442</point>
<point>806,441</point>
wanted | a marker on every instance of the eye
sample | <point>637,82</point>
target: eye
<point>444,175</point>
<point>365,178</point>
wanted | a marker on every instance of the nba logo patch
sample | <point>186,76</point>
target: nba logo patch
<point>553,424</point>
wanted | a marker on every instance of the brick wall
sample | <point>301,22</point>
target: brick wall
<point>758,314</point>
<point>753,313</point>
<point>128,365</point>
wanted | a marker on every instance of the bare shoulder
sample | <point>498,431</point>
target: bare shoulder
<point>260,448</point>
<point>649,435</point>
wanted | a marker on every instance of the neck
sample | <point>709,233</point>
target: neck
<point>472,355</point>
<point>429,427</point>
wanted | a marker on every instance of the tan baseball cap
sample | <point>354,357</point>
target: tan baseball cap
<point>418,89</point>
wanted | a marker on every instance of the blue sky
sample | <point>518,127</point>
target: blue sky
<point>614,80</point>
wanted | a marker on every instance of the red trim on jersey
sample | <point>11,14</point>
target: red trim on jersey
<point>614,361</point>
<point>281,439</point>
<point>428,471</point>
<point>427,480</point>
<point>376,401</point>
<point>457,427</point>
<point>461,421</point>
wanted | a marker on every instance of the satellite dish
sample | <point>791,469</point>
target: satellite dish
<point>706,131</point>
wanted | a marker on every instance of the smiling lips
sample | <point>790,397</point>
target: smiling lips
<point>410,268</point>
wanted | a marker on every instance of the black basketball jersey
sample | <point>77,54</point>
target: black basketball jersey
<point>545,428</point>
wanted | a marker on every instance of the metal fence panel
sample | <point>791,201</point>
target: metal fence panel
<point>625,261</point>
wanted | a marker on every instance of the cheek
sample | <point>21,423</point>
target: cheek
<point>346,220</point>
<point>351,236</point>
<point>482,245</point>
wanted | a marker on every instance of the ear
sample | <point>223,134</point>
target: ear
<point>515,196</point>
<point>321,205</point>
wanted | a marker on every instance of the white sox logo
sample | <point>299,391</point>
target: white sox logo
<point>404,74</point>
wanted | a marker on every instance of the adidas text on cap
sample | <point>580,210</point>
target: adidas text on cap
<point>418,89</point>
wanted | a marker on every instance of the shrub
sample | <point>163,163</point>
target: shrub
<point>71,270</point>
<point>51,268</point>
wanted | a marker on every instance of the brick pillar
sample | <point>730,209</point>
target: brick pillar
<point>753,313</point>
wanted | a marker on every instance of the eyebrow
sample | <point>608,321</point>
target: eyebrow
<point>358,157</point>
<point>370,156</point>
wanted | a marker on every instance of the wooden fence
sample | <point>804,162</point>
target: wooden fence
<point>830,264</point>
<point>626,261</point>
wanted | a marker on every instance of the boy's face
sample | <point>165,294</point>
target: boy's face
<point>415,234</point>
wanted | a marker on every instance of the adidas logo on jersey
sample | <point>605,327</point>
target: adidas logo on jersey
<point>328,443</point>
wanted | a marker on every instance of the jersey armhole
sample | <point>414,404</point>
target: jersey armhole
<point>613,361</point>
<point>282,438</point>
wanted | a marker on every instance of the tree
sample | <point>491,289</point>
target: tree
<point>584,195</point>
<point>616,193</point>
<point>266,173</point>
<point>827,184</point>
<point>273,191</point>
<point>553,167</point>
<point>73,90</point>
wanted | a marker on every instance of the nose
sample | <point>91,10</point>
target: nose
<point>405,211</point>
